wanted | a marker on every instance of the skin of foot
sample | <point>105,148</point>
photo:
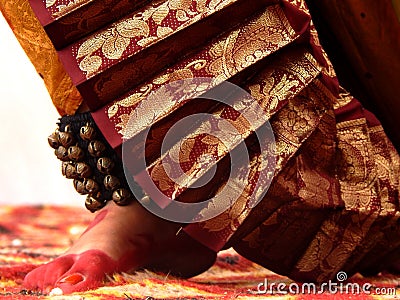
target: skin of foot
<point>122,239</point>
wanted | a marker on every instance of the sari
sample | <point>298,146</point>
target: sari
<point>330,201</point>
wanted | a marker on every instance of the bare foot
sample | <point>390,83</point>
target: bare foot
<point>122,239</point>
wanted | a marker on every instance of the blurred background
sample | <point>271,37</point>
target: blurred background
<point>29,171</point>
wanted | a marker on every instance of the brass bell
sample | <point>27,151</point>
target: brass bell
<point>91,186</point>
<point>61,153</point>
<point>83,170</point>
<point>94,204</point>
<point>87,133</point>
<point>80,187</point>
<point>53,140</point>
<point>66,139</point>
<point>75,153</point>
<point>67,128</point>
<point>111,182</point>
<point>105,165</point>
<point>96,148</point>
<point>68,170</point>
<point>122,196</point>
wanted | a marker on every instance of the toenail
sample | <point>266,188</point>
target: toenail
<point>72,279</point>
<point>56,292</point>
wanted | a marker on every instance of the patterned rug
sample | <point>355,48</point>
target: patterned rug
<point>30,236</point>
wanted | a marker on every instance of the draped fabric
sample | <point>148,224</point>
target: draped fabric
<point>333,202</point>
<point>41,52</point>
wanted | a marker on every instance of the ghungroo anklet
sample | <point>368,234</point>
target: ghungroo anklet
<point>92,164</point>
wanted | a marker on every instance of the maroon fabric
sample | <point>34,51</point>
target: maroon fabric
<point>89,16</point>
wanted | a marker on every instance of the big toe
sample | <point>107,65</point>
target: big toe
<point>88,272</point>
<point>45,276</point>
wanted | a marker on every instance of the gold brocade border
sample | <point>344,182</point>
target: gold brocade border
<point>224,58</point>
<point>59,8</point>
<point>368,185</point>
<point>314,243</point>
<point>128,36</point>
<point>276,84</point>
<point>292,125</point>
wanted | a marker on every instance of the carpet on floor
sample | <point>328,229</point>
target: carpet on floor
<point>32,235</point>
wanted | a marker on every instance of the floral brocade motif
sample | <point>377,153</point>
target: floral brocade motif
<point>110,60</point>
<point>196,144</point>
<point>361,173</point>
<point>316,190</point>
<point>367,168</point>
<point>222,59</point>
<point>61,7</point>
<point>128,36</point>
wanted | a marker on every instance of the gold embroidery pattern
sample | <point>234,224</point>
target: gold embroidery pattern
<point>228,223</point>
<point>343,99</point>
<point>250,44</point>
<point>294,123</point>
<point>314,39</point>
<point>198,66</point>
<point>130,35</point>
<point>388,168</point>
<point>283,83</point>
<point>148,111</point>
<point>358,236</point>
<point>300,4</point>
<point>292,203</point>
<point>365,193</point>
<point>296,65</point>
<point>356,171</point>
<point>112,42</point>
<point>220,150</point>
<point>59,8</point>
<point>304,72</point>
<point>334,243</point>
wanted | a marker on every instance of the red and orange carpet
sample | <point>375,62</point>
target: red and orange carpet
<point>30,236</point>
